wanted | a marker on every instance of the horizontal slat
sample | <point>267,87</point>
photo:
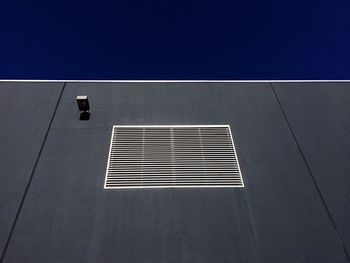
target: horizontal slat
<point>162,157</point>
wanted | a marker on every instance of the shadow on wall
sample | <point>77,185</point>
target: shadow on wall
<point>85,116</point>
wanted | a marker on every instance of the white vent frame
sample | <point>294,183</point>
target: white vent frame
<point>172,186</point>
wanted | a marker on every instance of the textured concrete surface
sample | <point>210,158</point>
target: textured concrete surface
<point>319,115</point>
<point>281,215</point>
<point>26,110</point>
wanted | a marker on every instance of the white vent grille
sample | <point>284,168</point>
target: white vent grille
<point>172,156</point>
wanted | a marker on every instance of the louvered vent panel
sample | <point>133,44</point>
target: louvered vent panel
<point>172,156</point>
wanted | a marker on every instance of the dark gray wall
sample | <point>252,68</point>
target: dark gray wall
<point>25,112</point>
<point>319,114</point>
<point>280,215</point>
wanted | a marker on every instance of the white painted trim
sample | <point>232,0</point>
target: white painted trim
<point>170,126</point>
<point>175,187</point>
<point>109,156</point>
<point>234,149</point>
<point>168,81</point>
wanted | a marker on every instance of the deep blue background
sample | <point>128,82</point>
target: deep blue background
<point>175,39</point>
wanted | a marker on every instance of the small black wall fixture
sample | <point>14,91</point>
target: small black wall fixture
<point>84,107</point>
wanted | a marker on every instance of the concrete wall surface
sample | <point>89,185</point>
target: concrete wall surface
<point>292,141</point>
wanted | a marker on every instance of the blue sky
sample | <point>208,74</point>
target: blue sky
<point>175,39</point>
